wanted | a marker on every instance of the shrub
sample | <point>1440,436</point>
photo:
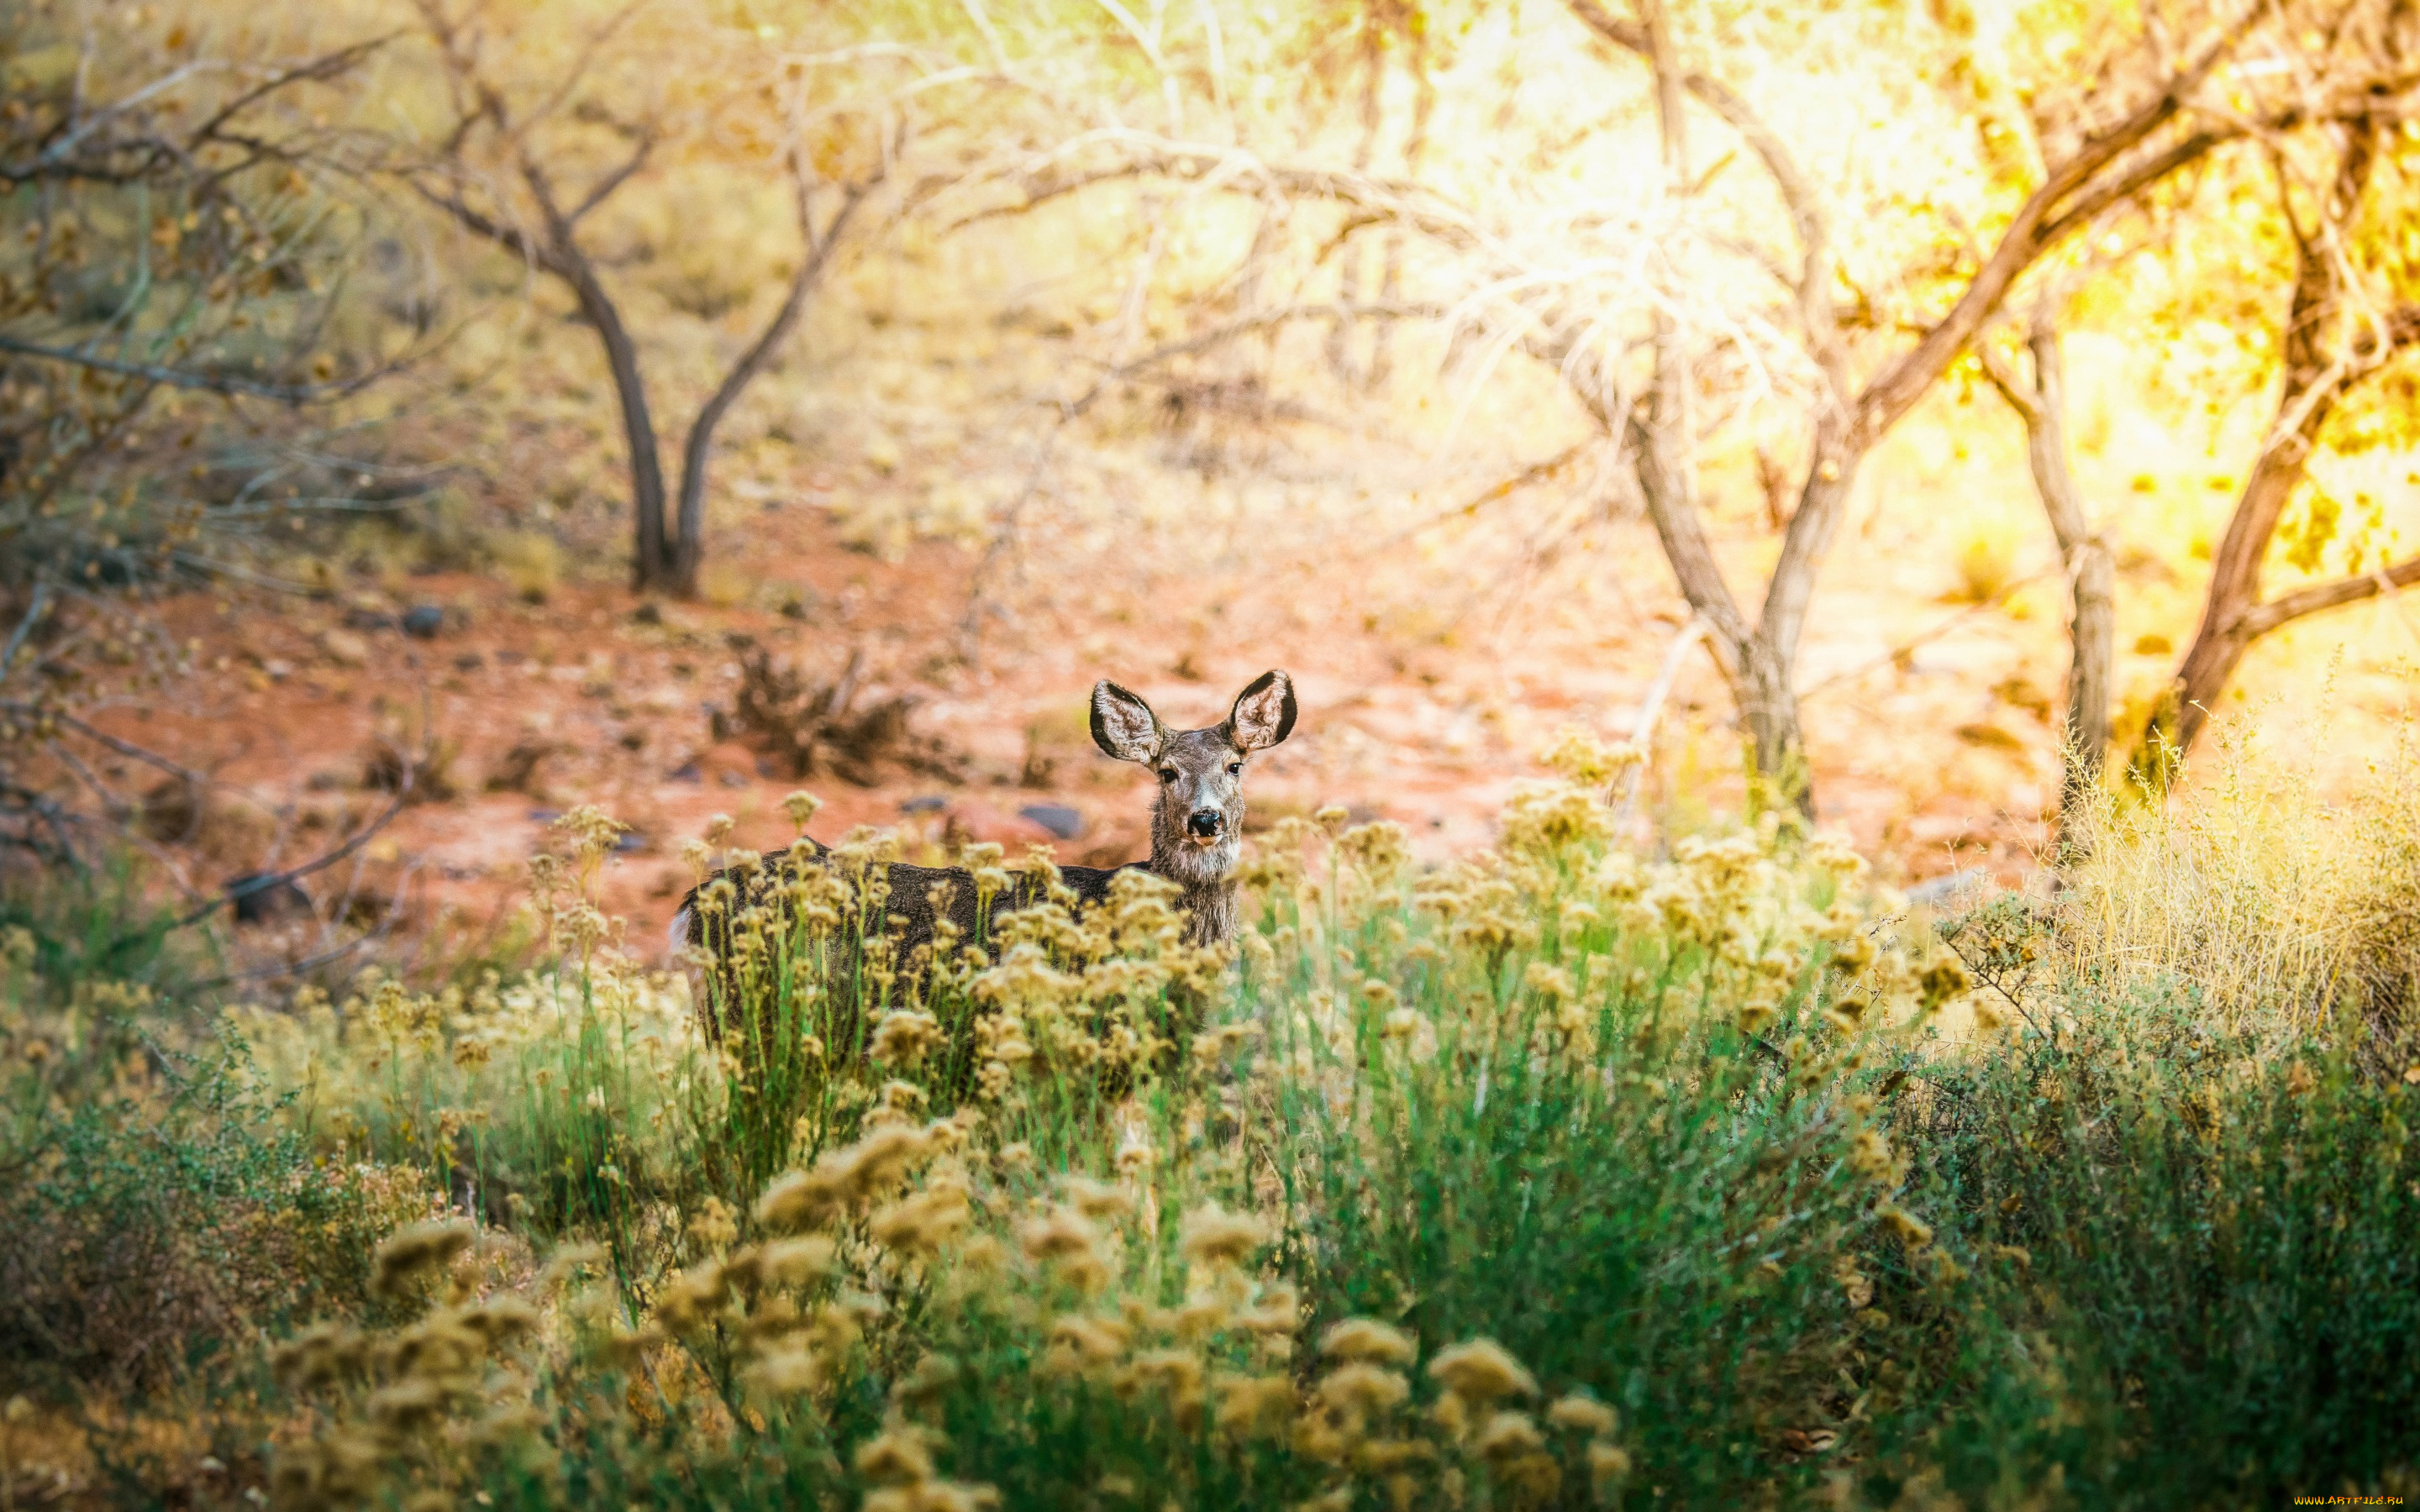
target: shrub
<point>158,1219</point>
<point>2213,1230</point>
<point>1552,1178</point>
<point>1528,1125</point>
<point>2277,905</point>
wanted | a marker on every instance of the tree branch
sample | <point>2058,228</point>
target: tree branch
<point>126,159</point>
<point>603,189</point>
<point>179,377</point>
<point>33,617</point>
<point>2036,224</point>
<point>594,43</point>
<point>123,748</point>
<point>689,545</point>
<point>971,624</point>
<point>319,70</point>
<point>1798,197</point>
<point>72,133</point>
<point>2019,395</point>
<point>2134,181</point>
<point>1398,203</point>
<point>1691,552</point>
<point>511,238</point>
<point>254,887</point>
<point>1246,325</point>
<point>819,251</point>
<point>2319,597</point>
<point>2398,330</point>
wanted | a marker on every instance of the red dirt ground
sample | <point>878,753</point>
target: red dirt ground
<point>288,708</point>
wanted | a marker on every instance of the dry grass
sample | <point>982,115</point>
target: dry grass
<point>2279,903</point>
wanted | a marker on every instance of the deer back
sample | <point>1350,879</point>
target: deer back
<point>908,926</point>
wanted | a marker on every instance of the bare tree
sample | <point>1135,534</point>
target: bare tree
<point>494,173</point>
<point>1572,288</point>
<point>2126,135</point>
<point>2337,337</point>
<point>174,213</point>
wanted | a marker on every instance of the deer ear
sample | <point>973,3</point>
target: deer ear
<point>1263,713</point>
<point>1123,725</point>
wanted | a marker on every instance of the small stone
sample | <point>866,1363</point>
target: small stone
<point>264,897</point>
<point>1063,822</point>
<point>423,620</point>
<point>343,648</point>
<point>926,804</point>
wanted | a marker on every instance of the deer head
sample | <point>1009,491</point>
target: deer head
<point>1196,824</point>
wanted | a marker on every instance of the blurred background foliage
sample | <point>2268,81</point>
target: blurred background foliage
<point>470,274</point>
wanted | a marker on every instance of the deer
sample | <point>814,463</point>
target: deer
<point>1196,822</point>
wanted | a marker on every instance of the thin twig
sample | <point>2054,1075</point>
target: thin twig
<point>26,626</point>
<point>123,748</point>
<point>181,377</point>
<point>1650,710</point>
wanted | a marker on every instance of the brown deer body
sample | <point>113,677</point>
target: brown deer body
<point>1197,824</point>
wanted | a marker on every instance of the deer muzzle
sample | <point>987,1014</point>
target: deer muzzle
<point>1207,824</point>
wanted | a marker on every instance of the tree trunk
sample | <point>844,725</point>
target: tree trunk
<point>2092,626</point>
<point>2221,639</point>
<point>2233,614</point>
<point>1831,467</point>
<point>1757,670</point>
<point>2304,401</point>
<point>1757,662</point>
<point>651,562</point>
<point>1772,711</point>
<point>687,553</point>
<point>1770,706</point>
<point>2315,378</point>
<point>2092,636</point>
<point>2104,169</point>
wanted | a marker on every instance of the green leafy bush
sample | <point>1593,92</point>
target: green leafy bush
<point>158,1217</point>
<point>1549,1178</point>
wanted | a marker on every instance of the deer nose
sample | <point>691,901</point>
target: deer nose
<point>1206,822</point>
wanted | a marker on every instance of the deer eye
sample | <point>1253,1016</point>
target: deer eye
<point>1168,773</point>
<point>1234,768</point>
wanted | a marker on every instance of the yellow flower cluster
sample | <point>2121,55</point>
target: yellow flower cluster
<point>424,1400</point>
<point>1088,993</point>
<point>1130,1278</point>
<point>906,1195</point>
<point>1357,1419</point>
<point>1587,763</point>
<point>425,1071</point>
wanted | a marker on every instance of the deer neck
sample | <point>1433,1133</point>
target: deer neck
<point>1207,875</point>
